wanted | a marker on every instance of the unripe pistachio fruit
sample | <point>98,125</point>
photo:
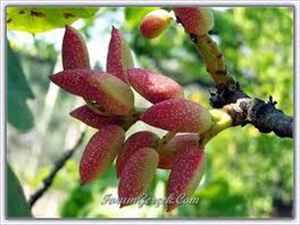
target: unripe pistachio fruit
<point>185,175</point>
<point>119,58</point>
<point>153,86</point>
<point>114,94</point>
<point>137,175</point>
<point>74,51</point>
<point>154,23</point>
<point>197,20</point>
<point>75,81</point>
<point>167,153</point>
<point>92,119</point>
<point>178,115</point>
<point>105,89</point>
<point>135,142</point>
<point>100,152</point>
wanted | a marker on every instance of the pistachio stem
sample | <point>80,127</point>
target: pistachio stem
<point>222,120</point>
<point>213,58</point>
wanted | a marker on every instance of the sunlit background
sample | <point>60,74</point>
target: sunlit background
<point>248,174</point>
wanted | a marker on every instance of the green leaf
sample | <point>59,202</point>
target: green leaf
<point>133,15</point>
<point>36,20</point>
<point>18,91</point>
<point>16,204</point>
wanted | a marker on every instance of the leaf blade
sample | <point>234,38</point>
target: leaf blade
<point>37,20</point>
<point>16,204</point>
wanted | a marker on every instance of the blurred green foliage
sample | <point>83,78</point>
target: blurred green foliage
<point>18,92</point>
<point>248,174</point>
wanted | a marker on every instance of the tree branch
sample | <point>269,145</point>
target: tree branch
<point>58,165</point>
<point>263,115</point>
<point>242,108</point>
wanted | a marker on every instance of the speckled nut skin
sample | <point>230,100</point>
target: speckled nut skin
<point>137,175</point>
<point>134,143</point>
<point>195,20</point>
<point>100,152</point>
<point>74,51</point>
<point>167,153</point>
<point>185,174</point>
<point>178,115</point>
<point>92,119</point>
<point>113,93</point>
<point>153,86</point>
<point>75,81</point>
<point>119,57</point>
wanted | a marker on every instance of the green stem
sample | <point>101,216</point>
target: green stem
<point>222,121</point>
<point>132,118</point>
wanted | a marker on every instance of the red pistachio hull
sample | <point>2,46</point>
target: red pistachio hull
<point>92,119</point>
<point>114,94</point>
<point>153,86</point>
<point>100,152</point>
<point>119,58</point>
<point>178,115</point>
<point>154,23</point>
<point>137,175</point>
<point>185,175</point>
<point>74,51</point>
<point>134,143</point>
<point>75,81</point>
<point>195,20</point>
<point>167,153</point>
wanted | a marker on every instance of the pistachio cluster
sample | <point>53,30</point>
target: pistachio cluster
<point>110,108</point>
